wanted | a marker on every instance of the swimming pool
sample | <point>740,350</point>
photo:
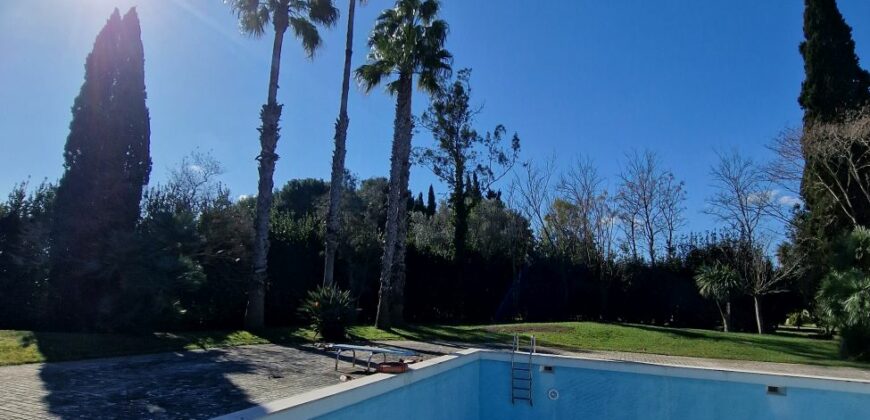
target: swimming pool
<point>475,384</point>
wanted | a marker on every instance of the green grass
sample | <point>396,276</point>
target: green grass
<point>18,347</point>
<point>788,347</point>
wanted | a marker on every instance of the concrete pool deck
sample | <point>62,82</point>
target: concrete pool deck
<point>203,384</point>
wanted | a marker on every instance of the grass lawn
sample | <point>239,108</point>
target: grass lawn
<point>786,347</point>
<point>18,347</point>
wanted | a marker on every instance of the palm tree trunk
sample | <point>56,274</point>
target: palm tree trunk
<point>337,181</point>
<point>398,299</point>
<point>758,314</point>
<point>397,206</point>
<point>723,314</point>
<point>270,115</point>
<point>728,316</point>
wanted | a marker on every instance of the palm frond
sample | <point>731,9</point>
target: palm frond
<point>434,68</point>
<point>306,32</point>
<point>436,33</point>
<point>407,7</point>
<point>253,16</point>
<point>370,75</point>
<point>408,39</point>
<point>323,12</point>
<point>386,26</point>
<point>428,10</point>
<point>716,282</point>
<point>393,87</point>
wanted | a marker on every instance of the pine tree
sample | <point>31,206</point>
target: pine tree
<point>834,82</point>
<point>107,162</point>
<point>430,202</point>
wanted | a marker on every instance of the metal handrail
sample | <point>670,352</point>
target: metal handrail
<point>528,369</point>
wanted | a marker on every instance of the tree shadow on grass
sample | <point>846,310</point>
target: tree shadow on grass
<point>452,336</point>
<point>809,350</point>
<point>675,332</point>
<point>179,384</point>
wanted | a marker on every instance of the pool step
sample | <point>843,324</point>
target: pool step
<point>521,373</point>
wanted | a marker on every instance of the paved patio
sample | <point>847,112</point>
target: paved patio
<point>193,384</point>
<point>203,384</point>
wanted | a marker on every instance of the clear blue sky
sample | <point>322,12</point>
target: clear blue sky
<point>595,78</point>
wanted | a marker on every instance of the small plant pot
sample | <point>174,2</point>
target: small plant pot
<point>392,367</point>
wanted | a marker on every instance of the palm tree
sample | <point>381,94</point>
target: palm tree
<point>301,16</point>
<point>337,181</point>
<point>718,282</point>
<point>407,40</point>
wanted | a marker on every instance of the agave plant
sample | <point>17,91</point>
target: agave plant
<point>330,311</point>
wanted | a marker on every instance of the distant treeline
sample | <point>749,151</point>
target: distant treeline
<point>187,264</point>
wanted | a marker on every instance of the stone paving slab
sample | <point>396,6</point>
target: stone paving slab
<point>203,384</point>
<point>190,384</point>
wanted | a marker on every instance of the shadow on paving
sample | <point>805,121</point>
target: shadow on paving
<point>182,384</point>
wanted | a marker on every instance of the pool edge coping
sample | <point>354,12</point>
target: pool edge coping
<point>312,403</point>
<point>308,404</point>
<point>698,372</point>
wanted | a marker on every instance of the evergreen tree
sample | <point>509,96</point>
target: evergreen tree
<point>834,82</point>
<point>834,85</point>
<point>419,204</point>
<point>430,202</point>
<point>464,159</point>
<point>107,163</point>
<point>474,190</point>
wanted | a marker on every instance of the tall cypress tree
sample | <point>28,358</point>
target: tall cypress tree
<point>835,82</point>
<point>430,201</point>
<point>107,162</point>
<point>418,204</point>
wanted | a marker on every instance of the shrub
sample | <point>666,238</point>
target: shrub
<point>330,311</point>
<point>844,296</point>
<point>798,318</point>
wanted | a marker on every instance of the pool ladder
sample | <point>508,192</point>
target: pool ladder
<point>521,373</point>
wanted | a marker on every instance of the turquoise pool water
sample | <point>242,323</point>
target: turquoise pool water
<point>480,389</point>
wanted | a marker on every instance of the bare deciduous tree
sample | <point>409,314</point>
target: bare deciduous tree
<point>743,196</point>
<point>193,182</point>
<point>649,200</point>
<point>672,195</point>
<point>583,187</point>
<point>744,200</point>
<point>531,193</point>
<point>840,156</point>
<point>787,168</point>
